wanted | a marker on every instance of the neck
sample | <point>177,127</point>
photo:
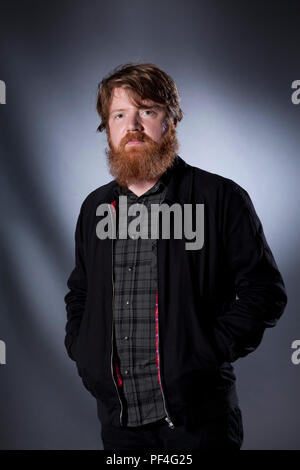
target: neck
<point>141,187</point>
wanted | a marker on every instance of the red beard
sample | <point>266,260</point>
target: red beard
<point>143,162</point>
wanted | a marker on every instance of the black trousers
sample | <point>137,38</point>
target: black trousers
<point>224,432</point>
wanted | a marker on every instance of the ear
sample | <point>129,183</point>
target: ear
<point>165,125</point>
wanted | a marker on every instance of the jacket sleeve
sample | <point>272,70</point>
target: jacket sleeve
<point>260,291</point>
<point>77,283</point>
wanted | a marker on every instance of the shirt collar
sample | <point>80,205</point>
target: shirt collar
<point>160,184</point>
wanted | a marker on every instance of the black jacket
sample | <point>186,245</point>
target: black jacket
<point>214,303</point>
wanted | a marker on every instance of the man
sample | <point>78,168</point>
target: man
<point>153,326</point>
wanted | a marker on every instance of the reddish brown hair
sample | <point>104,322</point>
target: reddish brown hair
<point>148,81</point>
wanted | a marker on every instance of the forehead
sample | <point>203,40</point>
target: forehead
<point>128,97</point>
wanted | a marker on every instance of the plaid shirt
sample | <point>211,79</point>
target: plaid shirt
<point>136,357</point>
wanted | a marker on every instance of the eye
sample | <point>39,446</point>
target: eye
<point>117,115</point>
<point>150,111</point>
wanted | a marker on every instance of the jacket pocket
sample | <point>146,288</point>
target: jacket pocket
<point>205,351</point>
<point>90,384</point>
<point>73,349</point>
<point>235,430</point>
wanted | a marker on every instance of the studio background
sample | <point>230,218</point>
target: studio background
<point>233,63</point>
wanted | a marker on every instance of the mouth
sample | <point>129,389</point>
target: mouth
<point>134,142</point>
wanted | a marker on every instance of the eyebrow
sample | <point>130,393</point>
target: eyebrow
<point>142,106</point>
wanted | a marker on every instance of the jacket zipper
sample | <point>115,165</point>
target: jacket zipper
<point>168,419</point>
<point>112,329</point>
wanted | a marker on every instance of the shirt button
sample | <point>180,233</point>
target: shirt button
<point>125,337</point>
<point>126,371</point>
<point>127,302</point>
<point>130,268</point>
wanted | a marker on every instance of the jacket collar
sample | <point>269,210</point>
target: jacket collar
<point>179,185</point>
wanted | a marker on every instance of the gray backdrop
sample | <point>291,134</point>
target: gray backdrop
<point>234,63</point>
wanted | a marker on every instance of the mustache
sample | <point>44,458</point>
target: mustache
<point>135,136</point>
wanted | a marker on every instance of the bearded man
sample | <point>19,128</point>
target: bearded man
<point>153,327</point>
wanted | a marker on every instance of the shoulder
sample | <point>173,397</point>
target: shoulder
<point>213,184</point>
<point>98,196</point>
<point>230,201</point>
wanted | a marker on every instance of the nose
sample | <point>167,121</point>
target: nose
<point>134,122</point>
